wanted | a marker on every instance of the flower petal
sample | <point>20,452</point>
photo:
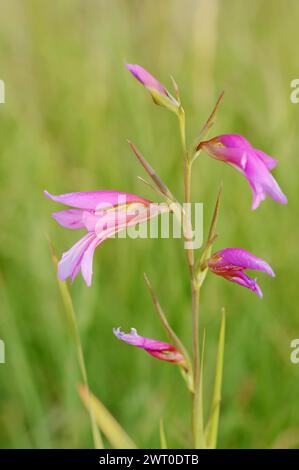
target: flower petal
<point>173,356</point>
<point>232,141</point>
<point>87,259</point>
<point>239,277</point>
<point>69,265</point>
<point>273,189</point>
<point>262,182</point>
<point>235,150</point>
<point>99,236</point>
<point>140,341</point>
<point>70,218</point>
<point>236,157</point>
<point>144,77</point>
<point>258,195</point>
<point>233,258</point>
<point>159,94</point>
<point>158,349</point>
<point>96,200</point>
<point>266,159</point>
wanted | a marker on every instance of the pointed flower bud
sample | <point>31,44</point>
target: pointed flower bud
<point>231,263</point>
<point>255,165</point>
<point>158,349</point>
<point>160,95</point>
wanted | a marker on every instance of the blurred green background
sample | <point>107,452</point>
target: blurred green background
<point>70,105</point>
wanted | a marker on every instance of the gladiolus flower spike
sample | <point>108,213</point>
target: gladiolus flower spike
<point>231,263</point>
<point>255,165</point>
<point>158,349</point>
<point>159,94</point>
<point>103,214</point>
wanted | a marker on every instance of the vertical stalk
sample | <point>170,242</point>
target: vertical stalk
<point>197,425</point>
<point>196,412</point>
<point>187,217</point>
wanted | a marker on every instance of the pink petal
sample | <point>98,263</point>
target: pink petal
<point>140,341</point>
<point>70,218</point>
<point>113,222</point>
<point>266,159</point>
<point>230,258</point>
<point>262,182</point>
<point>257,198</point>
<point>233,141</point>
<point>236,157</point>
<point>235,150</point>
<point>90,220</point>
<point>273,189</point>
<point>81,256</point>
<point>173,356</point>
<point>100,226</point>
<point>243,280</point>
<point>158,349</point>
<point>71,259</point>
<point>144,77</point>
<point>230,264</point>
<point>96,200</point>
<point>106,221</point>
<point>87,259</point>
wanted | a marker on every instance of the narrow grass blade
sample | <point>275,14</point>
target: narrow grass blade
<point>152,174</point>
<point>212,425</point>
<point>72,321</point>
<point>210,121</point>
<point>163,441</point>
<point>114,433</point>
<point>212,231</point>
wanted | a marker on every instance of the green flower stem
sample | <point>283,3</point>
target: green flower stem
<point>181,116</point>
<point>197,426</point>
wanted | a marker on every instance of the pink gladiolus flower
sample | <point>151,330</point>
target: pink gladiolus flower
<point>231,263</point>
<point>158,92</point>
<point>103,214</point>
<point>158,349</point>
<point>255,165</point>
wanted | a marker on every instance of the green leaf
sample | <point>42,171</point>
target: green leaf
<point>113,431</point>
<point>212,425</point>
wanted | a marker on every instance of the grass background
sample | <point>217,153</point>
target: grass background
<point>70,105</point>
